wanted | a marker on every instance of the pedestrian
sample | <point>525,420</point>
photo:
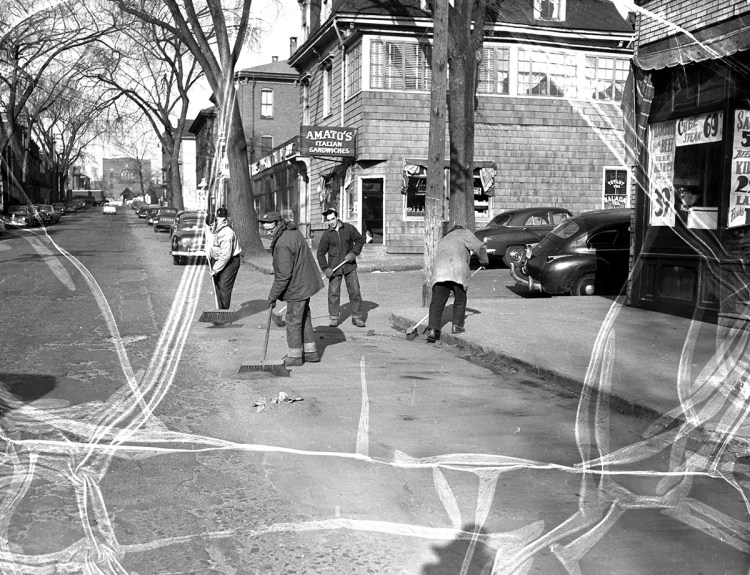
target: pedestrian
<point>450,273</point>
<point>341,242</point>
<point>224,258</point>
<point>296,280</point>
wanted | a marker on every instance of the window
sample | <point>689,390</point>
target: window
<point>400,65</point>
<point>605,77</point>
<point>537,219</point>
<point>481,200</point>
<point>546,74</point>
<point>415,194</point>
<point>327,90</point>
<point>493,71</point>
<point>127,175</point>
<point>353,70</point>
<point>306,102</point>
<point>266,103</point>
<point>697,169</point>
<point>266,145</point>
<point>325,10</point>
<point>559,217</point>
<point>549,10</point>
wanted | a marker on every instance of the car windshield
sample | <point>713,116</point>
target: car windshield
<point>565,229</point>
<point>44,207</point>
<point>17,210</point>
<point>191,224</point>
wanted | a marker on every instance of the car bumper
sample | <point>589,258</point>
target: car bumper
<point>190,253</point>
<point>524,280</point>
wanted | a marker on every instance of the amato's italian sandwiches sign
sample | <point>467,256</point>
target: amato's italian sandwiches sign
<point>326,141</point>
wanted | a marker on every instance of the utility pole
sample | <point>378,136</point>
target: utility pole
<point>435,193</point>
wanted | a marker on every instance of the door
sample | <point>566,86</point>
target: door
<point>372,210</point>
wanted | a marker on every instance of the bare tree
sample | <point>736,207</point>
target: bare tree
<point>136,141</point>
<point>154,70</point>
<point>215,31</point>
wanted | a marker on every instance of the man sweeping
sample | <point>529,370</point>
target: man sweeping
<point>341,243</point>
<point>296,280</point>
<point>224,258</point>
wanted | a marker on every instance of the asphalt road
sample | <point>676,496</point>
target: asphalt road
<point>132,444</point>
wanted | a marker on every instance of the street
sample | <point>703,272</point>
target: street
<point>133,445</point>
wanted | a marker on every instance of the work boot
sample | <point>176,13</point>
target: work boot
<point>433,335</point>
<point>358,322</point>
<point>312,357</point>
<point>293,361</point>
<point>458,329</point>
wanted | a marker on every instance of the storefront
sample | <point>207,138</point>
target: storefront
<point>691,131</point>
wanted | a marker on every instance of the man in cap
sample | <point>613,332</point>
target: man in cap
<point>224,258</point>
<point>296,280</point>
<point>341,242</point>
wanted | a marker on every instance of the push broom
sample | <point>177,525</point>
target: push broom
<point>272,367</point>
<point>218,316</point>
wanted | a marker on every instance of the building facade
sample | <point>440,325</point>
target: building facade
<point>688,118</point>
<point>127,176</point>
<point>548,121</point>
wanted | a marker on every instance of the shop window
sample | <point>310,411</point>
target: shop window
<point>697,173</point>
<point>481,200</point>
<point>415,196</point>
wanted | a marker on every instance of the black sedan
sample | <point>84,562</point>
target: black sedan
<point>164,218</point>
<point>507,234</point>
<point>188,240</point>
<point>586,255</point>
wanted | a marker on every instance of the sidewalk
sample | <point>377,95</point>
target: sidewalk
<point>555,337</point>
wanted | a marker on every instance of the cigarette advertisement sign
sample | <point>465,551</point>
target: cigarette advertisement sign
<point>661,146</point>
<point>329,141</point>
<point>739,194</point>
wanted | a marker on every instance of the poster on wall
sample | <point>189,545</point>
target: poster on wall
<point>615,188</point>
<point>701,129</point>
<point>661,146</point>
<point>739,193</point>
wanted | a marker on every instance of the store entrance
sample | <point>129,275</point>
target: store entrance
<point>372,210</point>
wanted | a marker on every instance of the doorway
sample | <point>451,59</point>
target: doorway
<point>372,210</point>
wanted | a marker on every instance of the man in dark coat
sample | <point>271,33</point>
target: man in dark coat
<point>450,273</point>
<point>341,242</point>
<point>296,280</point>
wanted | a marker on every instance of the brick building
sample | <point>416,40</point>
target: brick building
<point>688,117</point>
<point>121,175</point>
<point>548,123</point>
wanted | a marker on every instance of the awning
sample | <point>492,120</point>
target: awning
<point>712,43</point>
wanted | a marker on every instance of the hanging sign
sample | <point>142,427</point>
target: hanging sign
<point>327,141</point>
<point>661,146</point>
<point>615,188</point>
<point>702,129</point>
<point>739,194</point>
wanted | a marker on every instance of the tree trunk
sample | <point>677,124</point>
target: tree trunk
<point>240,198</point>
<point>433,217</point>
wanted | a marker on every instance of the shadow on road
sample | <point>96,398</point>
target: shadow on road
<point>25,387</point>
<point>451,557</point>
<point>252,307</point>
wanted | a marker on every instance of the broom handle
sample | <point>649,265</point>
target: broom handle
<point>268,332</point>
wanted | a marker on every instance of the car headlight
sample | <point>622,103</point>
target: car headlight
<point>486,239</point>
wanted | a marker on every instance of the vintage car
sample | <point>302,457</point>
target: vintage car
<point>188,240</point>
<point>585,255</point>
<point>184,214</point>
<point>109,208</point>
<point>164,219</point>
<point>508,233</point>
<point>48,213</point>
<point>143,210</point>
<point>71,207</point>
<point>60,207</point>
<point>23,216</point>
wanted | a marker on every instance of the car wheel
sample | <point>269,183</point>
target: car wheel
<point>176,260</point>
<point>513,255</point>
<point>156,230</point>
<point>586,285</point>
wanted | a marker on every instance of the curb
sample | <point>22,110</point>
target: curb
<point>621,404</point>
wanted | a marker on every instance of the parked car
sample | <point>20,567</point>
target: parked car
<point>184,214</point>
<point>142,211</point>
<point>109,208</point>
<point>23,216</point>
<point>60,207</point>
<point>585,255</point>
<point>2,226</point>
<point>164,218</point>
<point>189,239</point>
<point>71,207</point>
<point>48,213</point>
<point>507,234</point>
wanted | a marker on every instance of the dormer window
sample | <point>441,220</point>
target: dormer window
<point>553,10</point>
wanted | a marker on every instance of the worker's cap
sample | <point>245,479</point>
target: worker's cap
<point>270,217</point>
<point>222,213</point>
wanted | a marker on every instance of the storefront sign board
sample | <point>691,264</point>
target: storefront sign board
<point>739,194</point>
<point>701,129</point>
<point>661,146</point>
<point>329,141</point>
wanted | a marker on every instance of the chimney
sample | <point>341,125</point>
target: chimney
<point>292,45</point>
<point>274,58</point>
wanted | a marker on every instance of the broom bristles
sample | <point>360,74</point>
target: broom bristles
<point>217,316</point>
<point>274,368</point>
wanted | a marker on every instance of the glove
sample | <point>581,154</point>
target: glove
<point>350,257</point>
<point>328,272</point>
<point>271,302</point>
